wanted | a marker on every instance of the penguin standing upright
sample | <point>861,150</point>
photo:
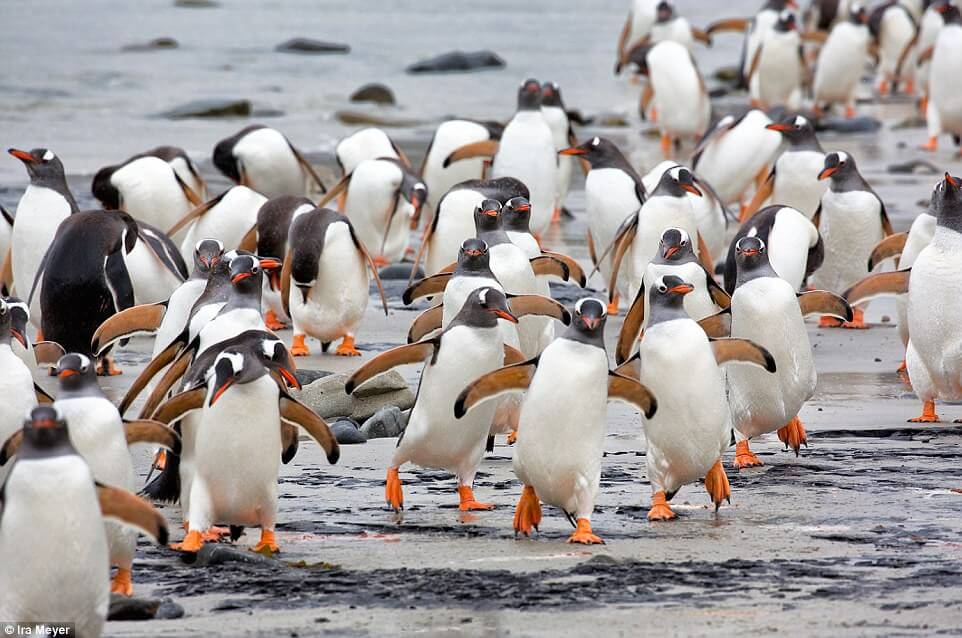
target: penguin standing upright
<point>944,109</point>
<point>53,569</point>
<point>273,225</point>
<point>929,28</point>
<point>778,72</point>
<point>895,29</point>
<point>841,61</point>
<point>448,137</point>
<point>793,180</point>
<point>262,159</point>
<point>638,24</point>
<point>755,30</point>
<point>553,110</point>
<point>613,191</point>
<point>45,203</point>
<point>851,221</point>
<point>562,426</point>
<point>16,381</point>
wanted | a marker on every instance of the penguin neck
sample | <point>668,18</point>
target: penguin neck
<point>667,310</point>
<point>757,271</point>
<point>198,273</point>
<point>57,183</point>
<point>594,338</point>
<point>951,220</point>
<point>805,142</point>
<point>493,236</point>
<point>243,299</point>
<point>850,180</point>
<point>473,269</point>
<point>473,316</point>
<point>59,447</point>
<point>86,390</point>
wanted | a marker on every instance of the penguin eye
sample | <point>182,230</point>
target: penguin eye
<point>662,288</point>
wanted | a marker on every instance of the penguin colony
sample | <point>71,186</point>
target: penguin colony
<point>713,351</point>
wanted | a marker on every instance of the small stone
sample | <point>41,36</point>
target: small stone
<point>612,120</point>
<point>387,423</point>
<point>196,4</point>
<point>169,610</point>
<point>311,46</point>
<point>886,319</point>
<point>124,608</point>
<point>347,433</point>
<point>209,108</point>
<point>376,93</point>
<point>156,43</point>
<point>727,74</point>
<point>366,408</point>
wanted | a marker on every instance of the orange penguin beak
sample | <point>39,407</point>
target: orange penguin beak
<point>691,188</point>
<point>781,128</point>
<point>507,316</point>
<point>828,172</point>
<point>491,212</point>
<point>43,424</point>
<point>750,251</point>
<point>19,337</point>
<point>671,251</point>
<point>23,156</point>
<point>241,276</point>
<point>574,150</point>
<point>682,289</point>
<point>64,374</point>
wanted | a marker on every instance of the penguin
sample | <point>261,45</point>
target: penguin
<point>45,203</point>
<point>768,310</point>
<point>147,188</point>
<point>6,269</point>
<point>691,429</point>
<point>562,431</point>
<point>930,25</point>
<point>675,96</point>
<point>554,113</point>
<point>943,111</point>
<point>234,470</point>
<point>368,143</point>
<point>54,570</point>
<point>101,437</point>
<point>229,218</point>
<point>778,71</point>
<point>16,380</point>
<point>793,180</point>
<point>273,224</point>
<point>675,257</point>
<point>448,137</point>
<point>469,347</point>
<point>933,286</point>
<point>263,159</point>
<point>185,168</point>
<point>516,221</point>
<point>669,25</point>
<point>736,151</point>
<point>613,192</point>
<point>453,220</point>
<point>755,30</point>
<point>638,25</point>
<point>793,245</point>
<point>382,197</point>
<point>851,221</point>
<point>841,61</point>
<point>35,355</point>
<point>324,282</point>
<point>895,29</point>
<point>824,15</point>
<point>155,264</point>
<point>526,152</point>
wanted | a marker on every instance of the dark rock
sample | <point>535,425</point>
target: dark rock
<point>306,376</point>
<point>196,4</point>
<point>311,46</point>
<point>266,112</point>
<point>169,610</point>
<point>399,271</point>
<point>385,424</point>
<point>377,93</point>
<point>457,61</point>
<point>326,396</point>
<point>727,74</point>
<point>219,554</point>
<point>210,108</point>
<point>860,124</point>
<point>124,608</point>
<point>913,167</point>
<point>347,433</point>
<point>909,123</point>
<point>611,119</point>
<point>357,118</point>
<point>156,43</point>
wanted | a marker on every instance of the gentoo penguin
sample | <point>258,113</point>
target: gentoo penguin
<point>469,347</point>
<point>229,218</point>
<point>823,15</point>
<point>234,470</point>
<point>273,224</point>
<point>52,569</point>
<point>841,61</point>
<point>669,25</point>
<point>755,30</point>
<point>45,203</point>
<point>368,143</point>
<point>944,109</point>
<point>736,151</point>
<point>613,191</point>
<point>895,30</point>
<point>562,429</point>
<point>691,429</point>
<point>675,257</point>
<point>851,221</point>
<point>147,188</point>
<point>36,355</point>
<point>766,309</point>
<point>448,137</point>
<point>185,168</point>
<point>778,72</point>
<point>101,437</point>
<point>638,25</point>
<point>554,113</point>
<point>526,152</point>
<point>793,245</point>
<point>516,221</point>
<point>675,96</point>
<point>324,283</point>
<point>262,159</point>
<point>793,180</point>
<point>453,220</point>
<point>382,197</point>
<point>6,270</point>
<point>934,303</point>
<point>929,27</point>
<point>16,380</point>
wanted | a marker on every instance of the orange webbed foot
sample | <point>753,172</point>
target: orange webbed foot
<point>298,347</point>
<point>215,534</point>
<point>857,322</point>
<point>268,544</point>
<point>666,145</point>
<point>793,435</point>
<point>347,349</point>
<point>380,261</point>
<point>932,145</point>
<point>107,368</point>
<point>469,503</point>
<point>393,493</point>
<point>527,514</point>
<point>556,215</point>
<point>717,485</point>
<point>583,534</point>
<point>829,322</point>
<point>613,305</point>
<point>903,373</point>
<point>512,437</point>
<point>660,511</point>
<point>191,543</point>
<point>744,457</point>
<point>122,583</point>
<point>928,414</point>
<point>849,112</point>
<point>272,322</point>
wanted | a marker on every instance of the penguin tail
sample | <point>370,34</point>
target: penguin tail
<point>165,488</point>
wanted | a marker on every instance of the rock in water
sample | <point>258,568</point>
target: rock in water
<point>311,46</point>
<point>209,108</point>
<point>156,43</point>
<point>915,166</point>
<point>377,93</point>
<point>346,432</point>
<point>385,424</point>
<point>456,61</point>
<point>359,118</point>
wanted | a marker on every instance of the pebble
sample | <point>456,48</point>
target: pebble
<point>347,433</point>
<point>458,61</point>
<point>311,46</point>
<point>376,93</point>
<point>209,108</point>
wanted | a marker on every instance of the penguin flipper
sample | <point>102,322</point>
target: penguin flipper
<point>891,246</point>
<point>704,255</point>
<point>370,262</point>
<point>886,283</point>
<point>718,294</point>
<point>623,37</point>
<point>296,413</point>
<point>148,431</point>
<point>507,379</point>
<point>174,373</point>
<point>196,213</point>
<point>512,355</point>
<point>631,391</point>
<point>289,442</point>
<point>624,237</point>
<point>743,351</point>
<point>42,397</point>
<point>6,270</point>
<point>631,327</point>
<point>177,406</point>
<point>728,24</point>
<point>192,197</point>
<point>762,194</point>
<point>823,302</point>
<point>630,368</point>
<point>484,148</point>
<point>525,305</point>
<point>155,365</point>
<point>335,190</point>
<point>249,241</point>
<point>118,280</point>
<point>402,355</point>
<point>429,286</point>
<point>717,326</point>
<point>47,353</point>
<point>307,167</point>
<point>9,448</point>
<point>575,271</point>
<point>142,319</point>
<point>131,509</point>
<point>426,323</point>
<point>164,249</point>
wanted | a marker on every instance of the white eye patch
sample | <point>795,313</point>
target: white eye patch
<point>48,156</point>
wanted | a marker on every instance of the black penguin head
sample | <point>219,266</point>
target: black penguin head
<point>780,5</point>
<point>857,14</point>
<point>664,12</point>
<point>487,215</point>
<point>207,253</point>
<point>794,129</point>
<point>247,271</point>
<point>415,191</point>
<point>484,307</point>
<point>668,291</point>
<point>596,150</point>
<point>947,202</point>
<point>551,95</point>
<point>104,190</point>
<point>837,166</point>
<point>516,214</point>
<point>233,367</point>
<point>44,430</point>
<point>43,166</point>
<point>17,313</point>
<point>676,245</point>
<point>750,253</point>
<point>77,372</point>
<point>529,95</point>
<point>786,22</point>
<point>590,316</point>
<point>950,13</point>
<point>473,255</point>
<point>676,182</point>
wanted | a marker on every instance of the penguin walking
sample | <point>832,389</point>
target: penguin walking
<point>16,381</point>
<point>691,429</point>
<point>228,218</point>
<point>273,225</point>
<point>841,61</point>
<point>767,310</point>
<point>54,570</point>
<point>562,425</point>
<point>324,282</point>
<point>554,113</point>
<point>851,221</point>
<point>670,25</point>
<point>45,203</point>
<point>263,159</point>
<point>469,347</point>
<point>516,221</point>
<point>778,72</point>
<point>895,30</point>
<point>638,25</point>
<point>944,107</point>
<point>755,30</point>
<point>613,192</point>
<point>448,137</point>
<point>930,26</point>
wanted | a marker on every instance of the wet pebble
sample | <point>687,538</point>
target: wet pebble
<point>385,424</point>
<point>458,61</point>
<point>399,272</point>
<point>215,107</point>
<point>347,433</point>
<point>306,376</point>
<point>153,45</point>
<point>376,93</point>
<point>311,46</point>
<point>913,167</point>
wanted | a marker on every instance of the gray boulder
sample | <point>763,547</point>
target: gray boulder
<point>458,61</point>
<point>326,396</point>
<point>346,432</point>
<point>387,423</point>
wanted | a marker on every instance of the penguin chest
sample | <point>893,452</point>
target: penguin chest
<point>943,85</point>
<point>450,136</point>
<point>454,224</point>
<point>683,106</point>
<point>562,424</point>
<point>39,213</point>
<point>796,181</point>
<point>269,164</point>
<point>840,63</point>
<point>228,221</point>
<point>527,152</point>
<point>178,311</point>
<point>780,72</point>
<point>151,280</point>
<point>658,213</point>
<point>16,387</point>
<point>920,234</point>
<point>229,324</point>
<point>378,215</point>
<point>895,34</point>
<point>850,224</point>
<point>789,240</point>
<point>97,433</point>
<point>457,291</point>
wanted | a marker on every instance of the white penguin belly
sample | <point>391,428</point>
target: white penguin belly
<point>16,387</point>
<point>151,280</point>
<point>945,91</point>
<point>683,106</point>
<point>779,76</point>
<point>228,221</point>
<point>269,164</point>
<point>455,223</point>
<point>228,325</point>
<point>789,240</point>
<point>527,152</point>
<point>609,199</point>
<point>370,204</point>
<point>150,192</point>
<point>731,163</point>
<point>698,303</point>
<point>850,225</point>
<point>656,215</point>
<point>511,267</point>
<point>840,63</point>
<point>796,181</point>
<point>448,137</point>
